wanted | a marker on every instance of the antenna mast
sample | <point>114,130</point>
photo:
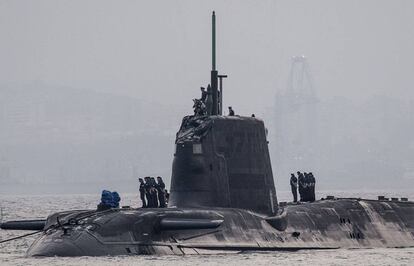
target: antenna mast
<point>214,72</point>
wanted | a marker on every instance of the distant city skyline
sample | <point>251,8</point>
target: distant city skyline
<point>83,137</point>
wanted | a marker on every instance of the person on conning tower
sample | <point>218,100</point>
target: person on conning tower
<point>231,111</point>
<point>204,95</point>
<point>199,107</point>
<point>209,101</point>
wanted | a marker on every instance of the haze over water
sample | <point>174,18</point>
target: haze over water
<point>93,92</point>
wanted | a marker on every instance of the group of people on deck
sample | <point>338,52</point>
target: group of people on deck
<point>153,193</point>
<point>305,184</point>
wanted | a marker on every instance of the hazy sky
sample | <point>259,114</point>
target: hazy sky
<point>160,50</point>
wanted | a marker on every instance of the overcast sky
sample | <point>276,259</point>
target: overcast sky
<point>160,50</point>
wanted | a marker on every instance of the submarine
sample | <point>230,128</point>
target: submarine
<point>223,199</point>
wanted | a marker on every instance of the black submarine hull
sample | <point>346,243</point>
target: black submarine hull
<point>325,224</point>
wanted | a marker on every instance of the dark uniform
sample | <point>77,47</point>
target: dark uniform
<point>313,182</point>
<point>203,95</point>
<point>231,111</point>
<point>209,101</point>
<point>142,192</point>
<point>153,192</point>
<point>161,192</point>
<point>305,186</point>
<point>294,187</point>
<point>301,186</point>
<point>147,187</point>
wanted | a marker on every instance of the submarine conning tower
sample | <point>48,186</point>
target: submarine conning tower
<point>222,161</point>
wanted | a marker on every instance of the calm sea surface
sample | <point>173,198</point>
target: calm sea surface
<point>25,207</point>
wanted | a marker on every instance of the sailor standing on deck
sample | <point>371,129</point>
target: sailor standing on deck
<point>301,185</point>
<point>312,190</point>
<point>147,187</point>
<point>154,197</point>
<point>294,187</point>
<point>142,192</point>
<point>161,191</point>
<point>306,187</point>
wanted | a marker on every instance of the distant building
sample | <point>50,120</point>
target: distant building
<point>296,119</point>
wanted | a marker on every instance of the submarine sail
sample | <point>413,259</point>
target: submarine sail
<point>222,161</point>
